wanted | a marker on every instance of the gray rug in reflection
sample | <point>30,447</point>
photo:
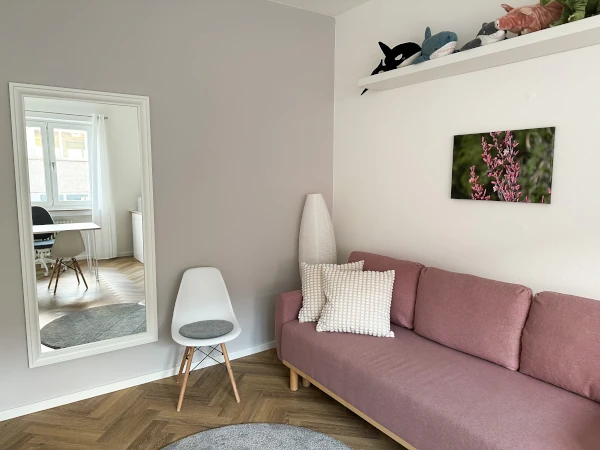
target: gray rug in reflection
<point>258,436</point>
<point>94,324</point>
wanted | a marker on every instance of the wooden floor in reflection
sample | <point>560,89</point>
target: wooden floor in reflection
<point>121,281</point>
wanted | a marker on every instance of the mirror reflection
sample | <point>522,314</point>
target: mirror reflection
<point>85,190</point>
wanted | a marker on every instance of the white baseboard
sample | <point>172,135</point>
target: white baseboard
<point>101,390</point>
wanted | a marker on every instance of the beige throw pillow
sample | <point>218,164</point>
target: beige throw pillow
<point>313,297</point>
<point>357,302</point>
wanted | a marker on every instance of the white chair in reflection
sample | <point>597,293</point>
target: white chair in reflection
<point>203,296</point>
<point>67,245</point>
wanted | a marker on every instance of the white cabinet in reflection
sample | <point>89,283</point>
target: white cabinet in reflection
<point>138,235</point>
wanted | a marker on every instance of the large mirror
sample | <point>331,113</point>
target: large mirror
<point>84,193</point>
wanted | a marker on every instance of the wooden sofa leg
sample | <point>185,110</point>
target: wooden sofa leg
<point>293,380</point>
<point>305,382</point>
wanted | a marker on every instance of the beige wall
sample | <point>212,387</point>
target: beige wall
<point>393,154</point>
<point>241,98</point>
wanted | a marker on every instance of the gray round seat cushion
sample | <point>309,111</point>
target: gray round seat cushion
<point>206,329</point>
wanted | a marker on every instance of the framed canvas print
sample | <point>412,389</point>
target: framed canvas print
<point>505,166</point>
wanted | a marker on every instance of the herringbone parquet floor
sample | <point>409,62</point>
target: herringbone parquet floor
<point>144,417</point>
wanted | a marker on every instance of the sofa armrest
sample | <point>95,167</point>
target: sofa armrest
<point>288,307</point>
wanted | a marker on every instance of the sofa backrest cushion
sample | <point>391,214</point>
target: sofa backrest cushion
<point>561,343</point>
<point>405,285</point>
<point>481,317</point>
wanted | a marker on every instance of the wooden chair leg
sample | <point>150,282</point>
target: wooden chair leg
<point>74,262</point>
<point>53,272</point>
<point>231,377</point>
<point>59,270</point>
<point>305,382</point>
<point>293,380</point>
<point>81,273</point>
<point>183,361</point>
<point>185,378</point>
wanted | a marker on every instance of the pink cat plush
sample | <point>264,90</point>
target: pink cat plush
<point>528,19</point>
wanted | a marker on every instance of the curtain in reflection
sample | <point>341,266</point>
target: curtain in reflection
<point>103,212</point>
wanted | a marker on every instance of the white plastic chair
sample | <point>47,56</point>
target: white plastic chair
<point>203,296</point>
<point>68,245</point>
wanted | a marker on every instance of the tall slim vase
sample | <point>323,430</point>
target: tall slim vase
<point>317,240</point>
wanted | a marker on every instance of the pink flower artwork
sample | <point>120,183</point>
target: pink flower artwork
<point>507,166</point>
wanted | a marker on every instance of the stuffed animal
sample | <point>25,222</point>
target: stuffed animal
<point>488,34</point>
<point>436,46</point>
<point>575,9</point>
<point>400,56</point>
<point>528,19</point>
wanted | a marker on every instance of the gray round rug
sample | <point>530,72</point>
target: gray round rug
<point>94,324</point>
<point>261,436</point>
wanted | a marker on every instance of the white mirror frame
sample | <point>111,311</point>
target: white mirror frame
<point>18,93</point>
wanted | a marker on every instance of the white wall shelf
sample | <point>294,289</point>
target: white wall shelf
<point>582,33</point>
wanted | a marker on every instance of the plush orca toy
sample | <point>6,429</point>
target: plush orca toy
<point>400,56</point>
<point>488,34</point>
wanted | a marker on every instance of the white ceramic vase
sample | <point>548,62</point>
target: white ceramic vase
<point>317,240</point>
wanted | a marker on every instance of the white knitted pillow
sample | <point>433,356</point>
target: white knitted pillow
<point>313,297</point>
<point>357,302</point>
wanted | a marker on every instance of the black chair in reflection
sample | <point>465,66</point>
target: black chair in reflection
<point>42,243</point>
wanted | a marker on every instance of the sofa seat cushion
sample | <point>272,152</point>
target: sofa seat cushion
<point>435,398</point>
<point>561,343</point>
<point>405,285</point>
<point>481,317</point>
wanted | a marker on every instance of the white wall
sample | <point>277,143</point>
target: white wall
<point>122,136</point>
<point>393,154</point>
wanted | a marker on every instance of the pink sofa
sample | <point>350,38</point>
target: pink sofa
<point>476,364</point>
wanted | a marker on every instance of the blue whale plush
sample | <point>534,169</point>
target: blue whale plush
<point>436,46</point>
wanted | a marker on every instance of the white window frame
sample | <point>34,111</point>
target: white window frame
<point>47,166</point>
<point>48,126</point>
